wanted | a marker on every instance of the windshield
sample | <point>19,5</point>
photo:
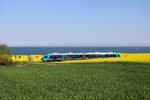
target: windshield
<point>45,56</point>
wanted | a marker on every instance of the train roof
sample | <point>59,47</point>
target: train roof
<point>90,53</point>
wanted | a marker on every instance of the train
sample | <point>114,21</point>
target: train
<point>78,56</point>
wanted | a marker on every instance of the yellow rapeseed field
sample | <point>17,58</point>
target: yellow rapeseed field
<point>125,57</point>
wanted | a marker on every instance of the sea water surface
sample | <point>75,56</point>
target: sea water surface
<point>45,50</point>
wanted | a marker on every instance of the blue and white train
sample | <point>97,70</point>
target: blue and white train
<point>78,56</point>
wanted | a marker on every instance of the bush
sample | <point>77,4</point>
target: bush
<point>5,55</point>
<point>5,60</point>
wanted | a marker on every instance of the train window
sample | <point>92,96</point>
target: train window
<point>106,55</point>
<point>113,55</point>
<point>58,57</point>
<point>98,56</point>
<point>79,56</point>
<point>86,56</point>
<point>50,57</point>
<point>110,55</point>
<point>73,56</point>
<point>67,57</point>
<point>93,56</point>
<point>54,57</point>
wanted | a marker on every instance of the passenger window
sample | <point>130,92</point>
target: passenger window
<point>80,56</point>
<point>54,57</point>
<point>86,56</point>
<point>67,57</point>
<point>110,55</point>
<point>92,56</point>
<point>50,57</point>
<point>58,57</point>
<point>73,56</point>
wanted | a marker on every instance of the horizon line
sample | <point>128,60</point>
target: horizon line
<point>78,46</point>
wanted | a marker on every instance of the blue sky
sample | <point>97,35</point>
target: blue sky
<point>75,22</point>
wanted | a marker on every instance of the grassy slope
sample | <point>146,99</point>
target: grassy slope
<point>110,81</point>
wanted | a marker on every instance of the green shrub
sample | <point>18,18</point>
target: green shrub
<point>5,60</point>
<point>5,55</point>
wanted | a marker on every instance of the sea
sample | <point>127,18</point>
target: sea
<point>46,50</point>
